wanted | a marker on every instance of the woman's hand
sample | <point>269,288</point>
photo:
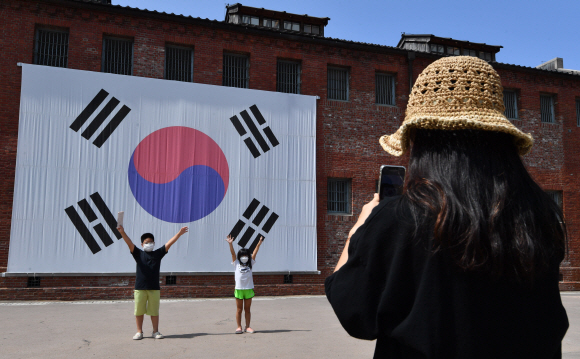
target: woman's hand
<point>230,239</point>
<point>364,214</point>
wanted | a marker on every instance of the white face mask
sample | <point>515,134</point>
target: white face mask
<point>244,259</point>
<point>148,247</point>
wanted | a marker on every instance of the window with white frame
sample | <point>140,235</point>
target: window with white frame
<point>51,47</point>
<point>275,24</point>
<point>251,20</point>
<point>338,83</point>
<point>385,89</point>
<point>288,76</point>
<point>289,25</point>
<point>547,108</point>
<point>236,71</point>
<point>179,63</point>
<point>510,101</point>
<point>339,196</point>
<point>117,56</point>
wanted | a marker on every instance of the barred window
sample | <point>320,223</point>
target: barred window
<point>294,26</point>
<point>547,108</point>
<point>33,282</point>
<point>179,63</point>
<point>578,113</point>
<point>557,197</point>
<point>51,48</point>
<point>236,72</point>
<point>385,89</point>
<point>510,101</point>
<point>170,280</point>
<point>338,83</point>
<point>339,195</point>
<point>117,56</point>
<point>288,77</point>
<point>438,49</point>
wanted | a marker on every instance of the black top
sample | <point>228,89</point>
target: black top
<point>418,304</point>
<point>148,264</point>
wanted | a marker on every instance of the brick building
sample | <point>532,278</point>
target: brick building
<point>363,90</point>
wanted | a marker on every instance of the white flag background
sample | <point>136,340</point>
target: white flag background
<point>178,135</point>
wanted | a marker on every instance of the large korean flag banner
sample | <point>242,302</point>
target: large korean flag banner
<point>169,154</point>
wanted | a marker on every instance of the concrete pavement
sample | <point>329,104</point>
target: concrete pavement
<point>287,327</point>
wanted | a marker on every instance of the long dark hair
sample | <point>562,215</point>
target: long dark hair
<point>245,252</point>
<point>471,190</point>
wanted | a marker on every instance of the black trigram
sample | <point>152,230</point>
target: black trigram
<point>91,216</point>
<point>258,219</point>
<point>255,131</point>
<point>100,118</point>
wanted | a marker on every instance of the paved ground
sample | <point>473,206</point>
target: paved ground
<point>288,327</point>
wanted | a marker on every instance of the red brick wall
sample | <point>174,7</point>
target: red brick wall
<point>347,132</point>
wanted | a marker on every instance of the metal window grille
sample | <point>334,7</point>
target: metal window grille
<point>288,279</point>
<point>178,63</point>
<point>288,77</point>
<point>547,108</point>
<point>511,104</point>
<point>337,84</point>
<point>556,196</point>
<point>338,196</point>
<point>170,280</point>
<point>236,71</point>
<point>578,113</point>
<point>117,56</point>
<point>51,48</point>
<point>385,89</point>
<point>33,282</point>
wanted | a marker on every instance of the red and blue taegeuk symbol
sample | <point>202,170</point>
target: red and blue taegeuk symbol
<point>178,174</point>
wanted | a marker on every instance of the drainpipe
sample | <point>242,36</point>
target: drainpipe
<point>410,58</point>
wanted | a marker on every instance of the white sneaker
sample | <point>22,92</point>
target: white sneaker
<point>138,336</point>
<point>157,335</point>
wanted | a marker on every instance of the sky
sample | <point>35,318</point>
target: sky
<point>530,31</point>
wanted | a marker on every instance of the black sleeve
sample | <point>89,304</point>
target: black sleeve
<point>161,252</point>
<point>136,253</point>
<point>371,293</point>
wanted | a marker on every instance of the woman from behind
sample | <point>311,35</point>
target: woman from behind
<point>465,263</point>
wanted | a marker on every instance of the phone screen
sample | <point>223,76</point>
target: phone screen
<point>391,179</point>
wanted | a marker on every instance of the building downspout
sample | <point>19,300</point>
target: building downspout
<point>410,58</point>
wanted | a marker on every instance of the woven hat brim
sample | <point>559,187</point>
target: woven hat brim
<point>398,143</point>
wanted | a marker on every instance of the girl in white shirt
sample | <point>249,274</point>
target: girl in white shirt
<point>244,290</point>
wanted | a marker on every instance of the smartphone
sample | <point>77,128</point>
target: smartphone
<point>391,179</point>
<point>120,216</point>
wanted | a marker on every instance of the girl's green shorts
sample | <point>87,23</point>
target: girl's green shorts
<point>244,293</point>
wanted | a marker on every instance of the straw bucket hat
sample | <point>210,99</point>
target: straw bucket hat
<point>456,93</point>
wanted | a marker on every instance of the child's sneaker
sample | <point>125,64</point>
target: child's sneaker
<point>138,336</point>
<point>157,335</point>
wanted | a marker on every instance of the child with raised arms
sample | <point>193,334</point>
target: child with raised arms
<point>244,290</point>
<point>147,289</point>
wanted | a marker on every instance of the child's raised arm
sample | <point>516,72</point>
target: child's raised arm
<point>126,238</point>
<point>257,248</point>
<point>174,239</point>
<point>230,240</point>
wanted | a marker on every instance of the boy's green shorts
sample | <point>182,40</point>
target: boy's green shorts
<point>244,293</point>
<point>147,302</point>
